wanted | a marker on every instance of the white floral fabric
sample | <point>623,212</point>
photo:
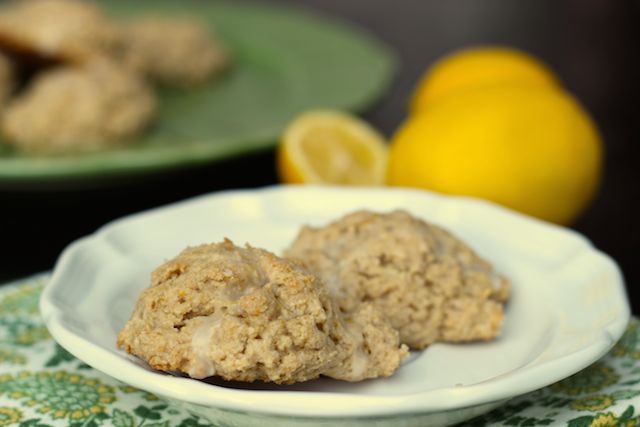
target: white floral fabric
<point>42,385</point>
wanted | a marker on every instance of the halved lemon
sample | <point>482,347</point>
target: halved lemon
<point>331,147</point>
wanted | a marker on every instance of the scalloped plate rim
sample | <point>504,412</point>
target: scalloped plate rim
<point>506,386</point>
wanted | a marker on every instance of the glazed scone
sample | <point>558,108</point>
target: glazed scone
<point>61,30</point>
<point>7,80</point>
<point>177,52</point>
<point>430,285</point>
<point>370,346</point>
<point>79,109</point>
<point>245,314</point>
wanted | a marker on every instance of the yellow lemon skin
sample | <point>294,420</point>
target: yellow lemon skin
<point>480,66</point>
<point>534,150</point>
<point>288,171</point>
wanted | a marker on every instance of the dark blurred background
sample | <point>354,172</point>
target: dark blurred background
<point>592,44</point>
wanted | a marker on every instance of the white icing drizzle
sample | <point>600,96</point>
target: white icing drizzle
<point>359,359</point>
<point>202,366</point>
<point>333,283</point>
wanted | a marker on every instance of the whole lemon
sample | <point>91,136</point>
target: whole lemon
<point>533,149</point>
<point>479,66</point>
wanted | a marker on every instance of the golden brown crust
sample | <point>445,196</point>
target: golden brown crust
<point>177,52</point>
<point>79,109</point>
<point>244,314</point>
<point>62,30</point>
<point>430,285</point>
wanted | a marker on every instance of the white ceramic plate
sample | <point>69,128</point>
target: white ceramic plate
<point>568,306</point>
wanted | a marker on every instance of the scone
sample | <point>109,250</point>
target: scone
<point>369,346</point>
<point>59,30</point>
<point>430,285</point>
<point>79,109</point>
<point>245,314</point>
<point>176,52</point>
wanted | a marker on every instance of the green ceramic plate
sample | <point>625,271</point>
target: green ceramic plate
<point>285,61</point>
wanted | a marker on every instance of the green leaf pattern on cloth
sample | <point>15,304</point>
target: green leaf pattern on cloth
<point>42,385</point>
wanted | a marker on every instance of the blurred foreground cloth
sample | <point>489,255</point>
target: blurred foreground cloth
<point>43,385</point>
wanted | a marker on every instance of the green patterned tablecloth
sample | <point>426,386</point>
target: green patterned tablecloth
<point>43,385</point>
